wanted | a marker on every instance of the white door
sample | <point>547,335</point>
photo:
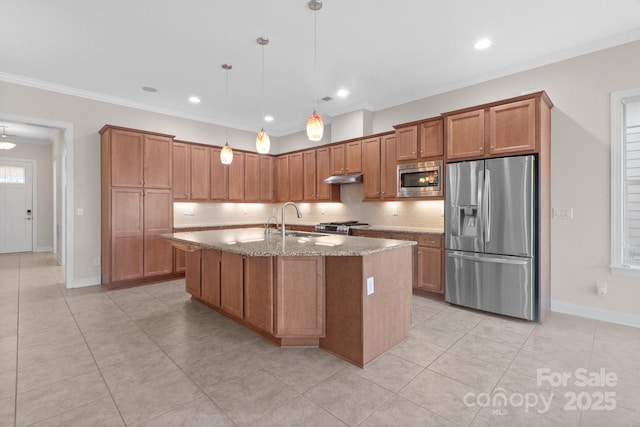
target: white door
<point>16,206</point>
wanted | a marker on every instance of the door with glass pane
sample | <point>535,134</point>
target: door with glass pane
<point>16,206</point>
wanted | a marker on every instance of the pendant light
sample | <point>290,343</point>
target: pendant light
<point>226,154</point>
<point>263,143</point>
<point>315,126</point>
<point>4,144</point>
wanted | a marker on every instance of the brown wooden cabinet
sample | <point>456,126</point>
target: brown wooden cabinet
<point>371,168</point>
<point>508,127</point>
<point>181,171</point>
<point>258,292</point>
<point>325,192</point>
<point>251,177</point>
<point>137,206</point>
<point>237,177</point>
<point>282,173</point>
<point>296,173</point>
<point>418,141</point>
<point>219,175</point>
<point>430,264</point>
<point>231,283</point>
<point>309,176</point>
<point>193,274</point>
<point>346,158</point>
<point>407,143</point>
<point>299,305</point>
<point>199,172</point>
<point>210,280</point>
<point>388,167</point>
<point>267,178</point>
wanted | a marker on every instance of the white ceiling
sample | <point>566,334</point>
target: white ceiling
<point>385,53</point>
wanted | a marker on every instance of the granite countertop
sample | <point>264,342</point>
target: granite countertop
<point>254,242</point>
<point>373,227</point>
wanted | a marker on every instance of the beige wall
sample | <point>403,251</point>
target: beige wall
<point>580,89</point>
<point>43,186</point>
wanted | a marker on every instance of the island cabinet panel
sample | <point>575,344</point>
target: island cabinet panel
<point>211,277</point>
<point>231,284</point>
<point>200,165</point>
<point>300,296</point>
<point>258,292</point>
<point>193,273</point>
<point>236,178</point>
<point>181,171</point>
<point>219,174</point>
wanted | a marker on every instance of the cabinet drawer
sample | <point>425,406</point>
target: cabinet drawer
<point>430,240</point>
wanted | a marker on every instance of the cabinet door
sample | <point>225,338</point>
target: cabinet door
<point>127,159</point>
<point>127,233</point>
<point>309,173</point>
<point>300,297</point>
<point>464,135</point>
<point>231,292</point>
<point>179,262</point>
<point>430,269</point>
<point>193,273</point>
<point>251,177</point>
<point>158,169</point>
<point>266,178</point>
<point>283,178</point>
<point>210,287</point>
<point>353,157</point>
<point>219,185</point>
<point>296,171</point>
<point>200,165</point>
<point>181,171</point>
<point>323,170</point>
<point>431,139</point>
<point>158,219</point>
<point>388,168</point>
<point>407,143</point>
<point>337,159</point>
<point>236,177</point>
<point>371,168</point>
<point>258,292</point>
<point>512,128</point>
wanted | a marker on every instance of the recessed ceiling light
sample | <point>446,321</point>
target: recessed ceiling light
<point>482,44</point>
<point>268,118</point>
<point>342,93</point>
<point>194,99</point>
<point>149,89</point>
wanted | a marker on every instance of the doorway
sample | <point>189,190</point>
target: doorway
<point>16,206</point>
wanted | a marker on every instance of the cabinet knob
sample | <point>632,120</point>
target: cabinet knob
<point>481,148</point>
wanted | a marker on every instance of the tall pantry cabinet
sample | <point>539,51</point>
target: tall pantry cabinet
<point>137,206</point>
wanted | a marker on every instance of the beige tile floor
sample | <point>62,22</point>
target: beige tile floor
<point>150,356</point>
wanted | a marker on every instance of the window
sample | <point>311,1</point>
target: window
<point>625,182</point>
<point>12,175</point>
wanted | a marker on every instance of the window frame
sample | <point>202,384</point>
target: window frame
<point>617,183</point>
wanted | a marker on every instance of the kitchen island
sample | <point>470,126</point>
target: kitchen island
<point>348,295</point>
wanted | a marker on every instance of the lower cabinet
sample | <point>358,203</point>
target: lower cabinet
<point>430,264</point>
<point>258,292</point>
<point>211,259</point>
<point>193,275</point>
<point>231,284</point>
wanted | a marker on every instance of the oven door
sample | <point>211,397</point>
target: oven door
<point>420,179</point>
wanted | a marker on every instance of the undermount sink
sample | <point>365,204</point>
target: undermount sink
<point>303,234</point>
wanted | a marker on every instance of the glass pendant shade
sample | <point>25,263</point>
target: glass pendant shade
<point>263,143</point>
<point>226,154</point>
<point>315,127</point>
<point>6,145</point>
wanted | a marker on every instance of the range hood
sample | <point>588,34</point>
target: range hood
<point>344,179</point>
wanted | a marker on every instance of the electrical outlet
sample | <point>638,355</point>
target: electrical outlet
<point>244,209</point>
<point>96,260</point>
<point>394,211</point>
<point>80,211</point>
<point>369,285</point>
<point>601,288</point>
<point>563,213</point>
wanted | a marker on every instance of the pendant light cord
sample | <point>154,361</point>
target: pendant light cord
<point>262,88</point>
<point>315,58</point>
<point>226,73</point>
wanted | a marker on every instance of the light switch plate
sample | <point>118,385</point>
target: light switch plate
<point>369,285</point>
<point>563,213</point>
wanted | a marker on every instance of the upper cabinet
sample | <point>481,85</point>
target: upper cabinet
<point>388,167</point>
<point>181,171</point>
<point>371,168</point>
<point>237,177</point>
<point>508,127</point>
<point>251,177</point>
<point>267,178</point>
<point>282,174</point>
<point>346,158</point>
<point>200,169</point>
<point>219,176</point>
<point>417,141</point>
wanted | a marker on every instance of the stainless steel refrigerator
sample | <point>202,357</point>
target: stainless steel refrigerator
<point>490,229</point>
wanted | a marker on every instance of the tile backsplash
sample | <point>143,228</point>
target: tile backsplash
<point>423,214</point>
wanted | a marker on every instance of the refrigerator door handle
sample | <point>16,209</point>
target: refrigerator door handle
<point>489,259</point>
<point>487,205</point>
<point>481,202</point>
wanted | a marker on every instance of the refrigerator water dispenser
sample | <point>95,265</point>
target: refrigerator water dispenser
<point>468,216</point>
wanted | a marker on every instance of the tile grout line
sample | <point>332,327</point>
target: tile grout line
<point>15,398</point>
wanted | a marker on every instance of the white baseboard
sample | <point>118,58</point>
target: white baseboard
<point>44,249</point>
<point>87,281</point>
<point>596,313</point>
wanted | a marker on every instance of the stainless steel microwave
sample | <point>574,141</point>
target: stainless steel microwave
<point>420,179</point>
